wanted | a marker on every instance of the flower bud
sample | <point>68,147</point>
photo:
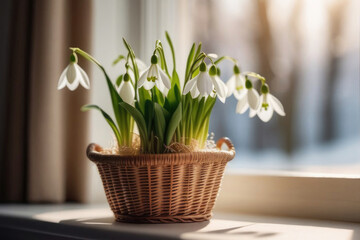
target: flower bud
<point>126,77</point>
<point>248,83</point>
<point>264,88</point>
<point>73,58</point>
<point>154,59</point>
<point>212,70</point>
<point>203,67</point>
<point>218,72</point>
<point>236,69</point>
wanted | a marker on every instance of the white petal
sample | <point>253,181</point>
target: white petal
<point>223,86</point>
<point>153,72</point>
<point>72,73</point>
<point>252,113</point>
<point>63,79</point>
<point>149,85</point>
<point>222,99</point>
<point>253,98</point>
<point>160,85</point>
<point>242,105</point>
<point>240,80</point>
<point>230,84</point>
<point>276,104</point>
<point>189,85</point>
<point>212,55</point>
<point>204,84</point>
<point>127,92</point>
<point>240,94</point>
<point>219,85</point>
<point>164,78</point>
<point>165,91</point>
<point>265,115</point>
<point>194,92</point>
<point>72,86</point>
<point>142,78</point>
<point>141,65</point>
<point>84,79</point>
<point>240,89</point>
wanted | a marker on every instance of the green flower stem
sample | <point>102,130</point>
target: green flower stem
<point>123,120</point>
<point>212,61</point>
<point>160,50</point>
<point>257,76</point>
<point>226,58</point>
<point>135,67</point>
<point>194,66</point>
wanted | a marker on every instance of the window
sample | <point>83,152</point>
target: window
<point>308,52</point>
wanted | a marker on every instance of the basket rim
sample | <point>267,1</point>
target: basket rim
<point>211,155</point>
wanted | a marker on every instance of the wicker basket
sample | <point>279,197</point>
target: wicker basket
<point>162,188</point>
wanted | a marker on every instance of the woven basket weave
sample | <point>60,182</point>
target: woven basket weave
<point>162,188</point>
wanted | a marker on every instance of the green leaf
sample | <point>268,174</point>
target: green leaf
<point>173,124</point>
<point>115,97</point>
<point>160,123</point>
<point>158,96</point>
<point>149,115</point>
<point>144,95</point>
<point>139,119</point>
<point>107,118</point>
<point>174,96</point>
<point>135,68</point>
<point>195,107</point>
<point>209,104</point>
<point>190,59</point>
<point>119,80</point>
<point>198,50</point>
<point>172,49</point>
<point>196,72</point>
<point>118,59</point>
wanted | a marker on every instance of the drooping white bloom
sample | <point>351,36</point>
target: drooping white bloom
<point>126,90</point>
<point>220,87</point>
<point>204,83</point>
<point>154,76</point>
<point>236,84</point>
<point>250,99</point>
<point>268,104</point>
<point>73,75</point>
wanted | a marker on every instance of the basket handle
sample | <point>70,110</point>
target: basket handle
<point>228,143</point>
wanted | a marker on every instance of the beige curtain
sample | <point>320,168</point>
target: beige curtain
<point>57,130</point>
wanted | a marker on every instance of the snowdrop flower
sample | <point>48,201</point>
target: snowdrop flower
<point>249,99</point>
<point>126,90</point>
<point>236,84</point>
<point>154,75</point>
<point>268,103</point>
<point>73,75</point>
<point>204,83</point>
<point>220,86</point>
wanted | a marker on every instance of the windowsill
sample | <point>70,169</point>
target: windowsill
<point>79,221</point>
<point>291,194</point>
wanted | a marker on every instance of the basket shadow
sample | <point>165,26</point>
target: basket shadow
<point>175,230</point>
<point>111,224</point>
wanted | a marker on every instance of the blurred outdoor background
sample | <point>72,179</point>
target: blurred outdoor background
<point>307,50</point>
<point>309,53</point>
